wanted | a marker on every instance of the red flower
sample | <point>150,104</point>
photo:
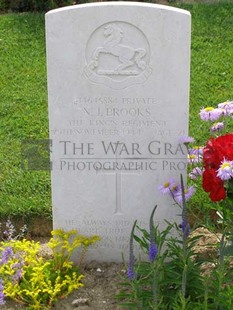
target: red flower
<point>213,184</point>
<point>218,149</point>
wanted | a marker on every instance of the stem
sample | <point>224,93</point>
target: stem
<point>222,241</point>
<point>206,297</point>
<point>221,258</point>
<point>82,256</point>
<point>184,280</point>
<point>155,289</point>
<point>184,217</point>
<point>221,249</point>
<point>185,235</point>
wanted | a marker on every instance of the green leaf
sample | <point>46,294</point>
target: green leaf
<point>228,250</point>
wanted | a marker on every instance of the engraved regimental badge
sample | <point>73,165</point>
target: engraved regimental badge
<point>117,55</point>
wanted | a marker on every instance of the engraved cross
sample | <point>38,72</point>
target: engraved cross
<point>118,181</point>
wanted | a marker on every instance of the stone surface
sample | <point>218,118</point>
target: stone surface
<point>45,251</point>
<point>206,245</point>
<point>118,84</point>
<point>79,302</point>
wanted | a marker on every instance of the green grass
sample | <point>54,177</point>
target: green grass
<point>212,54</point>
<point>23,113</point>
<point>211,79</point>
<point>23,101</point>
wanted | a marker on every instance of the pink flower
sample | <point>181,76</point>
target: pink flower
<point>198,150</point>
<point>195,155</point>
<point>217,126</point>
<point>195,173</point>
<point>193,158</point>
<point>225,171</point>
<point>167,187</point>
<point>210,114</point>
<point>186,139</point>
<point>227,107</point>
<point>175,189</point>
<point>188,193</point>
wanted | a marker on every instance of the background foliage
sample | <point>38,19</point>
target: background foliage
<point>23,100</point>
<point>32,5</point>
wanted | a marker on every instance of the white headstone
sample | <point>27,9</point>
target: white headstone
<point>118,84</point>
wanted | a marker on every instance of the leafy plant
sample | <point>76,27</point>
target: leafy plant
<point>168,277</point>
<point>27,278</point>
<point>64,244</point>
<point>178,283</point>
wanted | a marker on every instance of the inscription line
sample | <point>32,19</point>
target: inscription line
<point>125,158</point>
